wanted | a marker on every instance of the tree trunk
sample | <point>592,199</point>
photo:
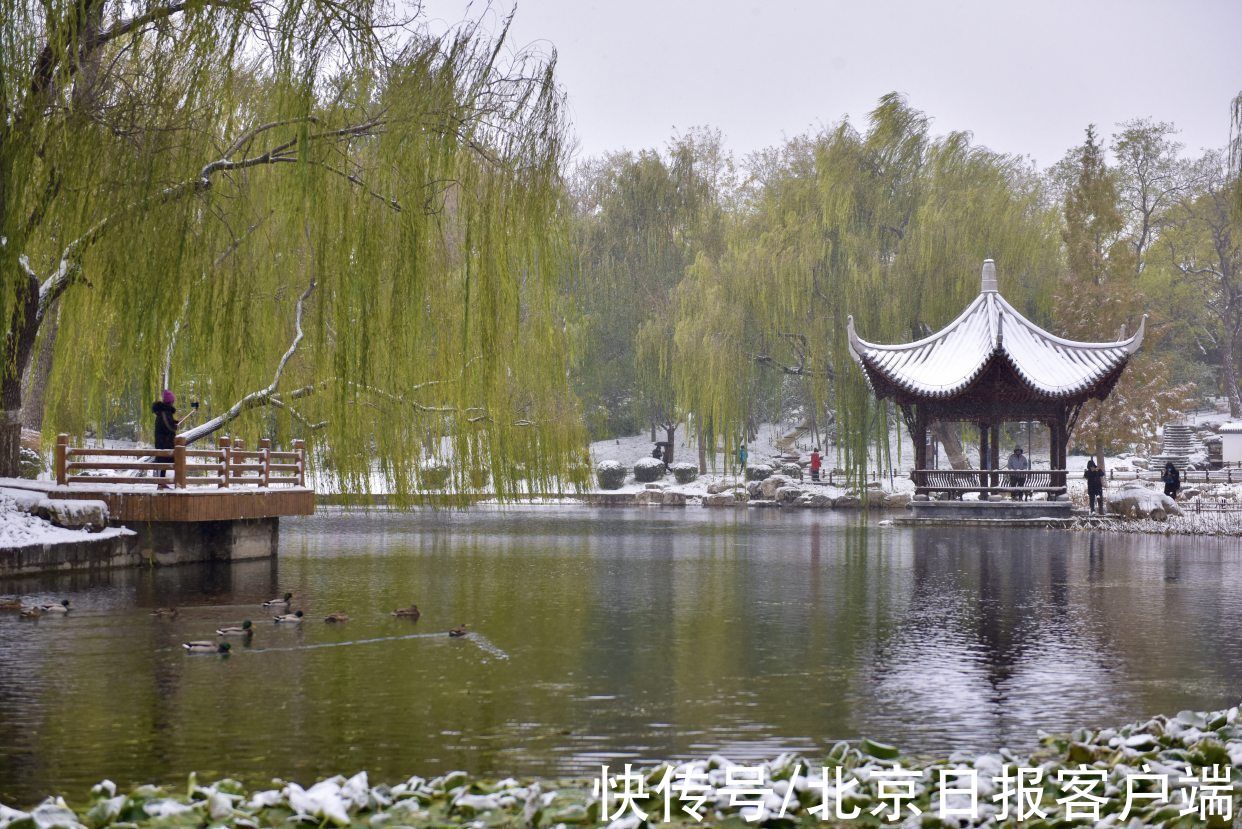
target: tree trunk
<point>670,430</point>
<point>1099,449</point>
<point>703,453</point>
<point>18,343</point>
<point>952,443</point>
<point>34,384</point>
<point>1229,372</point>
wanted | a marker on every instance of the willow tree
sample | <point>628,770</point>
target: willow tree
<point>319,221</point>
<point>887,224</point>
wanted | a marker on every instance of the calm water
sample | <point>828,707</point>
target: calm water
<point>608,634</point>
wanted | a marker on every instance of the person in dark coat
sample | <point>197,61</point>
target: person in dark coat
<point>1018,463</point>
<point>1172,480</point>
<point>1095,486</point>
<point>166,423</point>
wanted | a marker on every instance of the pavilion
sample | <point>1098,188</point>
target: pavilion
<point>989,366</point>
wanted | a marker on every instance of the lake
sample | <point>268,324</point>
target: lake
<point>606,635</point>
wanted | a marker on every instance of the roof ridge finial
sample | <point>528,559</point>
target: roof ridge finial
<point>988,283</point>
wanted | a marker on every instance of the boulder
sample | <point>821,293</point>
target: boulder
<point>684,472</point>
<point>788,494</point>
<point>896,500</point>
<point>771,484</point>
<point>736,498</point>
<point>722,486</point>
<point>758,472</point>
<point>1137,501</point>
<point>74,514</point>
<point>849,500</point>
<point>674,499</point>
<point>653,486</point>
<point>754,489</point>
<point>610,474</point>
<point>921,497</point>
<point>815,500</point>
<point>792,470</point>
<point>649,469</point>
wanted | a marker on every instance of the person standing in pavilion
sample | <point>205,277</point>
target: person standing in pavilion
<point>1095,486</point>
<point>1018,463</point>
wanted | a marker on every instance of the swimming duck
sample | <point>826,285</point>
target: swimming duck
<point>296,616</point>
<point>30,613</point>
<point>206,647</point>
<point>236,630</point>
<point>336,617</point>
<point>165,612</point>
<point>410,612</point>
<point>460,630</point>
<point>279,602</point>
<point>63,607</point>
<point>11,604</point>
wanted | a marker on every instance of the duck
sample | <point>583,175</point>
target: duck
<point>336,617</point>
<point>165,612</point>
<point>206,647</point>
<point>63,607</point>
<point>235,630</point>
<point>296,616</point>
<point>30,613</point>
<point>288,597</point>
<point>458,631</point>
<point>11,604</point>
<point>411,612</point>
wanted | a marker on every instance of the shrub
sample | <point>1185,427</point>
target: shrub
<point>648,470</point>
<point>610,474</point>
<point>685,472</point>
<point>31,464</point>
<point>792,470</point>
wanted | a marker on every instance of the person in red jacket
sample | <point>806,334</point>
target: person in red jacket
<point>816,462</point>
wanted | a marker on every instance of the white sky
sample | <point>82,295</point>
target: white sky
<point>1024,77</point>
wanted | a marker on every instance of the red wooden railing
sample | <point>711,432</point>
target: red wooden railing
<point>229,464</point>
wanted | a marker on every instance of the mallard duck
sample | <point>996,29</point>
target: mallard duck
<point>165,612</point>
<point>206,647</point>
<point>63,607</point>
<point>336,617</point>
<point>236,630</point>
<point>460,630</point>
<point>296,616</point>
<point>11,604</point>
<point>288,597</point>
<point>411,612</point>
<point>30,613</point>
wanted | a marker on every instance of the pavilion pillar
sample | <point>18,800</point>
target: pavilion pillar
<point>984,455</point>
<point>994,458</point>
<point>920,445</point>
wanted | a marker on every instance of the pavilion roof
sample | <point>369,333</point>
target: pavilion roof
<point>990,329</point>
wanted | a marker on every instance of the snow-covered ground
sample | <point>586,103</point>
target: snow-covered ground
<point>19,528</point>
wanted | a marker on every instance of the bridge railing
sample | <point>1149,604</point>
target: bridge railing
<point>229,464</point>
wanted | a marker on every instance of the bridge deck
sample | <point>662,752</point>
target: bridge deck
<point>143,503</point>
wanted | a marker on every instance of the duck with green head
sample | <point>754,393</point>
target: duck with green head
<point>63,607</point>
<point>244,629</point>
<point>207,647</point>
<point>295,617</point>
<point>283,601</point>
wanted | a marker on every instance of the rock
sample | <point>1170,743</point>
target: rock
<point>649,469</point>
<point>772,483</point>
<point>649,497</point>
<point>1140,463</point>
<point>674,499</point>
<point>736,498</point>
<point>1137,501</point>
<point>815,500</point>
<point>1191,493</point>
<point>758,472</point>
<point>653,486</point>
<point>849,500</point>
<point>684,472</point>
<point>754,489</point>
<point>74,514</point>
<point>610,474</point>
<point>921,497</point>
<point>896,500</point>
<point>788,494</point>
<point>875,485</point>
<point>792,470</point>
<point>723,486</point>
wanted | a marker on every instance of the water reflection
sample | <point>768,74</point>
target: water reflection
<point>605,635</point>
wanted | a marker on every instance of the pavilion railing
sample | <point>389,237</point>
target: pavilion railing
<point>229,464</point>
<point>954,483</point>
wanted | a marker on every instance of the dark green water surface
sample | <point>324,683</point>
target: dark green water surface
<point>608,635</point>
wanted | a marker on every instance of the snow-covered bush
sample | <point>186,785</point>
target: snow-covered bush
<point>685,472</point>
<point>610,474</point>
<point>31,463</point>
<point>792,470</point>
<point>648,470</point>
<point>433,475</point>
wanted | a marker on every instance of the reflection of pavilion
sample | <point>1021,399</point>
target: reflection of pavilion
<point>989,366</point>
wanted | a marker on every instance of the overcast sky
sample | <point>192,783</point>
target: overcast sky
<point>1023,77</point>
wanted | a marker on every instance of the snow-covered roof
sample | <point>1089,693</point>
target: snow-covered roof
<point>948,361</point>
<point>1231,428</point>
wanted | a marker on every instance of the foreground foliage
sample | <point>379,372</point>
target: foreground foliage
<point>1174,746</point>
